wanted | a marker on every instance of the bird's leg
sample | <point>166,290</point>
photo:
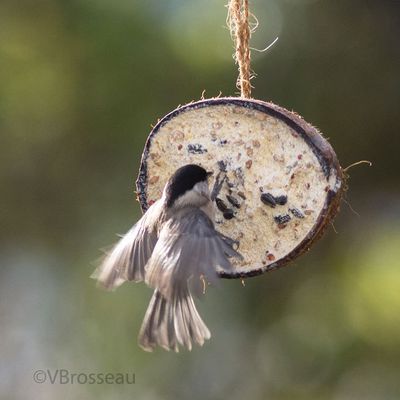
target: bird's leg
<point>219,181</point>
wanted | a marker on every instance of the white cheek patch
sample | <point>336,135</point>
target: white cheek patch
<point>193,197</point>
<point>276,184</point>
<point>202,189</point>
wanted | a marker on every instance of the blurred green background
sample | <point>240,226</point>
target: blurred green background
<point>80,83</point>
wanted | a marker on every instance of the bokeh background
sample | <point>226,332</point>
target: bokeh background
<point>81,81</point>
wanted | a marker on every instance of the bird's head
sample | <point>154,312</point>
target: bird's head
<point>188,186</point>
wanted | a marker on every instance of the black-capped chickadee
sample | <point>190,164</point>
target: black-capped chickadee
<point>175,249</point>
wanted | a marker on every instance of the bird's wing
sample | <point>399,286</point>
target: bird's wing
<point>127,259</point>
<point>188,249</point>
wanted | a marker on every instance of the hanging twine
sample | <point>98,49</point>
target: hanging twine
<point>238,23</point>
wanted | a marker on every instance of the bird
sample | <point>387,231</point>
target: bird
<point>176,250</point>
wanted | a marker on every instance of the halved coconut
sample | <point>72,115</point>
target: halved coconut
<point>277,181</point>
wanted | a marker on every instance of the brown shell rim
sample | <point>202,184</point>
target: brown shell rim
<point>318,144</point>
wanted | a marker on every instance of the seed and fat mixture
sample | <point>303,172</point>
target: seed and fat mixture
<point>269,184</point>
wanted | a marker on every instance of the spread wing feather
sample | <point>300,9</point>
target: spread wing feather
<point>188,249</point>
<point>127,259</point>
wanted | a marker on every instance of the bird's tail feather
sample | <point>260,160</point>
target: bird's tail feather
<point>170,323</point>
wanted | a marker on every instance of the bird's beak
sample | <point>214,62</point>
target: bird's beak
<point>209,173</point>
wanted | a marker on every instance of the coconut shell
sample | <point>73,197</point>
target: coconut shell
<point>277,183</point>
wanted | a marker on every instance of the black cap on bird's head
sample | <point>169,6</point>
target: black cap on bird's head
<point>183,180</point>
